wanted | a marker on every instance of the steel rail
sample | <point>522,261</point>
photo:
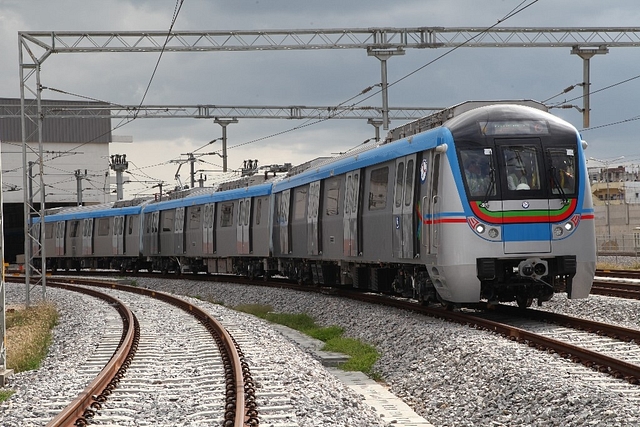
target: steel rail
<point>241,397</point>
<point>84,407</point>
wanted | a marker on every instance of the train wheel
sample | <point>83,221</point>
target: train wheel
<point>524,302</point>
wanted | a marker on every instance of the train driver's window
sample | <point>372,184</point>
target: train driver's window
<point>522,171</point>
<point>476,164</point>
<point>563,174</point>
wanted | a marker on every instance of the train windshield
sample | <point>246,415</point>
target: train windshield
<point>562,172</point>
<point>521,167</point>
<point>479,173</point>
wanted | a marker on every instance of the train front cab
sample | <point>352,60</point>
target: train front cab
<point>530,214</point>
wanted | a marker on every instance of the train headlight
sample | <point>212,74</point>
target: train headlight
<point>568,226</point>
<point>493,233</point>
<point>480,228</point>
<point>558,231</point>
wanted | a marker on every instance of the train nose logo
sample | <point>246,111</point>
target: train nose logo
<point>525,205</point>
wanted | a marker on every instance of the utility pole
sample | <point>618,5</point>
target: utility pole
<point>586,54</point>
<point>79,177</point>
<point>383,55</point>
<point>119,164</point>
<point>4,372</point>
<point>224,123</point>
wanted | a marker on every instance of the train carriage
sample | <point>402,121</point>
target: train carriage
<point>484,200</point>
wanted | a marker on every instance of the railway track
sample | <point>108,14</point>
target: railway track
<point>605,348</point>
<point>147,366</point>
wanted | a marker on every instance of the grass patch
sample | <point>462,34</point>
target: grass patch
<point>5,394</point>
<point>29,335</point>
<point>614,266</point>
<point>362,356</point>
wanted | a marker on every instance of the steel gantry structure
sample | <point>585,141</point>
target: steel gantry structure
<point>383,43</point>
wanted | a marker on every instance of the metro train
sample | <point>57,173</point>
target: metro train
<point>481,201</point>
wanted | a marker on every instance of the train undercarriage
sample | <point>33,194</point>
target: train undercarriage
<point>522,280</point>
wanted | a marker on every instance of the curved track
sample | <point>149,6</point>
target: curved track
<point>240,407</point>
<point>588,356</point>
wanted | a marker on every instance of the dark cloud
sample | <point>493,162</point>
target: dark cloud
<point>320,77</point>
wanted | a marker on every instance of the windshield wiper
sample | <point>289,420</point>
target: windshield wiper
<point>556,184</point>
<point>492,182</point>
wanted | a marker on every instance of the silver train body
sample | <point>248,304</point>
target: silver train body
<point>481,202</point>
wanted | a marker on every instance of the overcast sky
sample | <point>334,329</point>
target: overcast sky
<point>323,77</point>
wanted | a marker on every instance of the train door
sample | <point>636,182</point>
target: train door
<point>117,235</point>
<point>523,193</point>
<point>429,204</point>
<point>60,237</point>
<point>208,228</point>
<point>178,230</point>
<point>283,221</point>
<point>350,221</point>
<point>313,228</point>
<point>403,206</point>
<point>87,236</point>
<point>243,227</point>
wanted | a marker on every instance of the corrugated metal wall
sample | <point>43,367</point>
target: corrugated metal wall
<point>55,129</point>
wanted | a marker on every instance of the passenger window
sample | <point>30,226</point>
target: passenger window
<point>167,221</point>
<point>48,231</point>
<point>399,182</point>
<point>378,185</point>
<point>73,229</point>
<point>103,226</point>
<point>333,195</point>
<point>408,186</point>
<point>300,203</point>
<point>226,213</point>
<point>194,217</point>
<point>258,211</point>
<point>131,220</point>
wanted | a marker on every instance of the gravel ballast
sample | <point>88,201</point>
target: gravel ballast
<point>450,374</point>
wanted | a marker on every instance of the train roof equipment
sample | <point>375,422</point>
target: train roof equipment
<point>437,119</point>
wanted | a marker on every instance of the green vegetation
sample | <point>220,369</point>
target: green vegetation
<point>613,266</point>
<point>28,338</point>
<point>5,394</point>
<point>362,356</point>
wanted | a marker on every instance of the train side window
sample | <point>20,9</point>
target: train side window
<point>333,195</point>
<point>300,203</point>
<point>48,231</point>
<point>399,182</point>
<point>131,219</point>
<point>409,183</point>
<point>379,183</point>
<point>73,229</point>
<point>103,226</point>
<point>167,220</point>
<point>195,214</point>
<point>226,212</point>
